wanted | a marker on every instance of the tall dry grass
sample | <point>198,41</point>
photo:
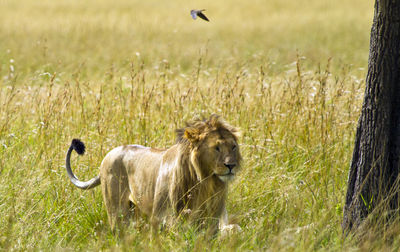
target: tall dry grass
<point>112,73</point>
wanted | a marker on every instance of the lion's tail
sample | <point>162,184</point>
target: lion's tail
<point>79,147</point>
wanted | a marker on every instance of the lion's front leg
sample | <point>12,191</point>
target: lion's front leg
<point>160,206</point>
<point>225,228</point>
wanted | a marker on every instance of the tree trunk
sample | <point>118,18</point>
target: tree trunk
<point>373,177</point>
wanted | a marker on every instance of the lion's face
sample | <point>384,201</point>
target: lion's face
<point>219,154</point>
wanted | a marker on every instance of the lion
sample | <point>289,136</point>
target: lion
<point>188,179</point>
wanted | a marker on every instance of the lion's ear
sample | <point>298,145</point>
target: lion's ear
<point>214,121</point>
<point>191,134</point>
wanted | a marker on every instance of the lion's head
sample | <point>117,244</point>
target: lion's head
<point>213,148</point>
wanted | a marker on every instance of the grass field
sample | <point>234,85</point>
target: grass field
<point>289,73</point>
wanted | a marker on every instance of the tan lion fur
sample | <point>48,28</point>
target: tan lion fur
<point>190,178</point>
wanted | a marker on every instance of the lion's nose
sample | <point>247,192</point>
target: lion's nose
<point>230,166</point>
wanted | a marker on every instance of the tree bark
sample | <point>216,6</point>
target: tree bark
<point>373,178</point>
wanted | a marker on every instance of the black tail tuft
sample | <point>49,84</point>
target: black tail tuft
<point>78,146</point>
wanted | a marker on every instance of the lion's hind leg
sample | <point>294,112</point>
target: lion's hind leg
<point>116,197</point>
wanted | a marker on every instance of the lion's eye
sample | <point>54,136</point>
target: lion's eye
<point>217,149</point>
<point>234,147</point>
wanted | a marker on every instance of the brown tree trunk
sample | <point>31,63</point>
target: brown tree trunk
<point>373,177</point>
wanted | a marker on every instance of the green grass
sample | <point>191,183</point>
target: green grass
<point>289,73</point>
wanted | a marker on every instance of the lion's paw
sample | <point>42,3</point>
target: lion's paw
<point>230,229</point>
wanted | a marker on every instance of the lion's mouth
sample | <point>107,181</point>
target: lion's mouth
<point>226,177</point>
<point>226,174</point>
<point>229,174</point>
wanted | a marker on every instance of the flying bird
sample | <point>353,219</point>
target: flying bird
<point>198,13</point>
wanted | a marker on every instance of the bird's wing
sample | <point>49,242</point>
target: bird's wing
<point>202,16</point>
